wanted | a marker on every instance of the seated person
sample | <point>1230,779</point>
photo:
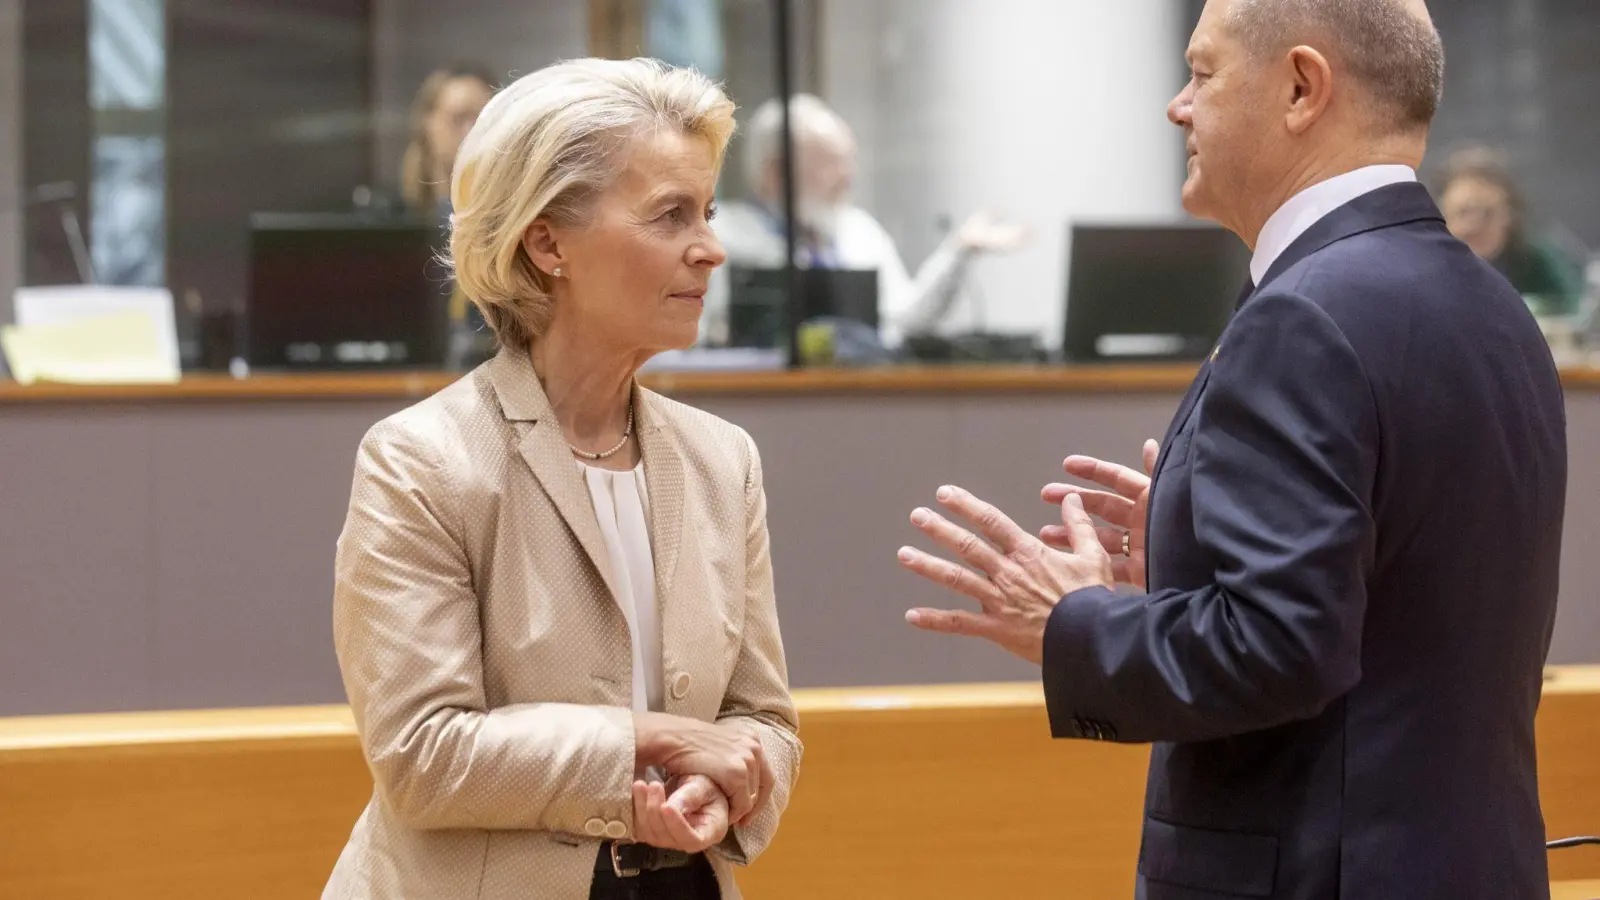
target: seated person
<point>442,113</point>
<point>1484,208</point>
<point>833,232</point>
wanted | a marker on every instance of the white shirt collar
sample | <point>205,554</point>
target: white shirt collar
<point>1309,206</point>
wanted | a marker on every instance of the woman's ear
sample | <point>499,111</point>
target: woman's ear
<point>542,247</point>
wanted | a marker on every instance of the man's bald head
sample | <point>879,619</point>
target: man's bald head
<point>1390,46</point>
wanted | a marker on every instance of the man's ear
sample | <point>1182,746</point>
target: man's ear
<point>1312,81</point>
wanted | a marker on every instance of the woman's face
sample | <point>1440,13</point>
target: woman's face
<point>460,101</point>
<point>637,272</point>
<point>1479,213</point>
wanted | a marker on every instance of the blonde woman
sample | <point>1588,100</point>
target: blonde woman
<point>553,607</point>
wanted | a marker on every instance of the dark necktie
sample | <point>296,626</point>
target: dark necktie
<point>1249,288</point>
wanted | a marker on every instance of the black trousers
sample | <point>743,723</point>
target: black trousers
<point>696,881</point>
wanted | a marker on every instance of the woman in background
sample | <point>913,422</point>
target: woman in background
<point>1483,206</point>
<point>444,110</point>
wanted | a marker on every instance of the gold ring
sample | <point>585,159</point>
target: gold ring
<point>1127,543</point>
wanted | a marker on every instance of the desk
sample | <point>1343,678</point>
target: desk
<point>955,379</point>
<point>957,791</point>
<point>1575,890</point>
<point>173,545</point>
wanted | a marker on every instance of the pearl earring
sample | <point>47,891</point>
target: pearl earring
<point>556,272</point>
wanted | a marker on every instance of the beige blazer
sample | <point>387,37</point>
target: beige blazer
<point>486,657</point>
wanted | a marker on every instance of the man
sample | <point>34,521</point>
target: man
<point>1354,524</point>
<point>833,233</point>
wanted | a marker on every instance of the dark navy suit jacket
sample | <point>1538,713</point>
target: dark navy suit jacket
<point>1354,535</point>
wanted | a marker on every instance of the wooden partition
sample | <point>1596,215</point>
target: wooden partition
<point>916,792</point>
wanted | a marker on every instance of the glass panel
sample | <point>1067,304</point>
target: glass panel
<point>127,94</point>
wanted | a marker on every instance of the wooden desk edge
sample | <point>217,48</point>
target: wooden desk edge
<point>28,735</point>
<point>893,380</point>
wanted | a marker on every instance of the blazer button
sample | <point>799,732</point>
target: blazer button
<point>595,827</point>
<point>680,685</point>
<point>616,830</point>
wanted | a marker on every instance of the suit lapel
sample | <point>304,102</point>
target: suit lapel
<point>544,448</point>
<point>1192,398</point>
<point>664,480</point>
<point>1180,419</point>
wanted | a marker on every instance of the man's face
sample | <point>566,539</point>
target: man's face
<point>1228,121</point>
<point>825,167</point>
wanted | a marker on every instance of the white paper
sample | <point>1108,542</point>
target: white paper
<point>61,304</point>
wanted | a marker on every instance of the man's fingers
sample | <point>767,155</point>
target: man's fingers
<point>957,540</point>
<point>989,520</point>
<point>1060,537</point>
<point>1081,534</point>
<point>951,621</point>
<point>1114,508</point>
<point>1119,479</point>
<point>1122,569</point>
<point>948,574</point>
<point>1152,452</point>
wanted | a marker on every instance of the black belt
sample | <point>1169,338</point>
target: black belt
<point>631,860</point>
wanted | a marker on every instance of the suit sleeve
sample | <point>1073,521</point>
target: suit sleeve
<point>408,636</point>
<point>758,692</point>
<point>1284,460</point>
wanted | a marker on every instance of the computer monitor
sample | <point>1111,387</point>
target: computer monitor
<point>345,292</point>
<point>757,309</point>
<point>1150,293</point>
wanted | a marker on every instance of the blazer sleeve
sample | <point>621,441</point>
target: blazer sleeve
<point>408,636</point>
<point>1284,461</point>
<point>758,692</point>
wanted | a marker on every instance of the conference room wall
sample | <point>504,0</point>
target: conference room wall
<point>180,554</point>
<point>1048,111</point>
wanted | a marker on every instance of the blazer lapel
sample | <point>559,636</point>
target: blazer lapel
<point>544,448</point>
<point>1186,407</point>
<point>664,479</point>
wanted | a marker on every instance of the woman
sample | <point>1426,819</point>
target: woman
<point>1483,207</point>
<point>553,606</point>
<point>444,110</point>
<point>446,106</point>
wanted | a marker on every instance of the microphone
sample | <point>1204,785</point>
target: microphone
<point>1565,843</point>
<point>62,193</point>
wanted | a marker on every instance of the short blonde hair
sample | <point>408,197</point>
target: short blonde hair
<point>546,147</point>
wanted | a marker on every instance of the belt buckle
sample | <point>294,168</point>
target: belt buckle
<point>616,863</point>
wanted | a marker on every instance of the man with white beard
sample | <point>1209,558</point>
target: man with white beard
<point>833,232</point>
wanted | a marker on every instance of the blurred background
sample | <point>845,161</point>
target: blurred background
<point>152,131</point>
<point>219,222</point>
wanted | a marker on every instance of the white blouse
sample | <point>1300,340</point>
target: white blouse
<point>621,505</point>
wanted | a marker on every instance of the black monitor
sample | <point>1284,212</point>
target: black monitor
<point>1143,294</point>
<point>757,309</point>
<point>345,292</point>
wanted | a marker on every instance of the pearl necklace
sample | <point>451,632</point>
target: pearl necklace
<point>626,433</point>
